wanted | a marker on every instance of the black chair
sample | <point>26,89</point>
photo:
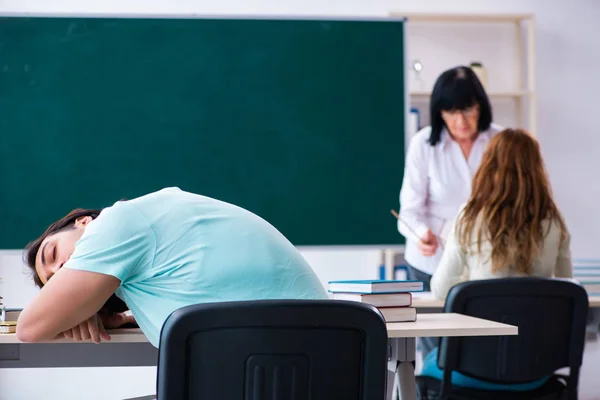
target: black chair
<point>551,316</point>
<point>273,349</point>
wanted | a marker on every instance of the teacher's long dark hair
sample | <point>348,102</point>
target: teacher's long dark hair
<point>458,89</point>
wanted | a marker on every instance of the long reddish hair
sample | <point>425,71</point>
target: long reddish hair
<point>510,200</point>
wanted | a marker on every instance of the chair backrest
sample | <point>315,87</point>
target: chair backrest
<point>273,349</point>
<point>550,314</point>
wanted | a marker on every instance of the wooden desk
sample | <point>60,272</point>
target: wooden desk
<point>403,350</point>
<point>129,347</point>
<point>425,302</point>
<point>116,336</point>
<point>433,325</point>
<point>437,325</point>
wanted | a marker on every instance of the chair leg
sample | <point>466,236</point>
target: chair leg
<point>573,384</point>
<point>406,381</point>
<point>446,384</point>
<point>396,391</point>
<point>392,380</point>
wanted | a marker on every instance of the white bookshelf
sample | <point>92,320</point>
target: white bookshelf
<point>452,17</point>
<point>519,91</point>
<point>518,94</point>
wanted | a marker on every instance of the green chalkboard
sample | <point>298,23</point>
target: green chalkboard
<point>300,121</point>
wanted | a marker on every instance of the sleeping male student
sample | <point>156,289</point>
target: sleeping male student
<point>158,253</point>
<point>509,227</point>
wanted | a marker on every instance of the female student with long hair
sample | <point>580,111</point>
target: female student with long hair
<point>509,227</point>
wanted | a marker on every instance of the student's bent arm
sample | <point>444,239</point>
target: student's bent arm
<point>69,298</point>
<point>451,269</point>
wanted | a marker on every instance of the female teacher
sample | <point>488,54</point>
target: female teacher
<point>440,164</point>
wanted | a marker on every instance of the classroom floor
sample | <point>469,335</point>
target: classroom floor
<point>589,384</point>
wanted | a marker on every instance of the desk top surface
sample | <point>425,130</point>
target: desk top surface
<point>116,336</point>
<point>426,300</point>
<point>435,325</point>
<point>426,325</point>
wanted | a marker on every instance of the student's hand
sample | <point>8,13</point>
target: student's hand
<point>428,244</point>
<point>117,320</point>
<point>91,329</point>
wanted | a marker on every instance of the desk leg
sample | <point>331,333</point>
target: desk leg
<point>403,385</point>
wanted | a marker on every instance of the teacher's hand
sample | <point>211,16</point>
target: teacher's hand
<point>428,244</point>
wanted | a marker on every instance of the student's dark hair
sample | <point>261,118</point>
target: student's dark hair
<point>65,223</point>
<point>113,304</point>
<point>457,89</point>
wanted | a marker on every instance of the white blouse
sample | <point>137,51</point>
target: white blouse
<point>437,181</point>
<point>459,265</point>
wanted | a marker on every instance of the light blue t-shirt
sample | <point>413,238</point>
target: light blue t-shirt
<point>172,248</point>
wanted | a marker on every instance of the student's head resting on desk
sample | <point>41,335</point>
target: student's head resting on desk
<point>48,253</point>
<point>58,244</point>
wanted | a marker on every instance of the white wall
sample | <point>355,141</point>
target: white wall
<point>567,88</point>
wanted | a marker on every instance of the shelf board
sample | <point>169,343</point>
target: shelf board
<point>509,94</point>
<point>452,17</point>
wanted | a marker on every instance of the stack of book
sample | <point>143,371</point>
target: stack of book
<point>392,298</point>
<point>8,327</point>
<point>587,274</point>
<point>8,319</point>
